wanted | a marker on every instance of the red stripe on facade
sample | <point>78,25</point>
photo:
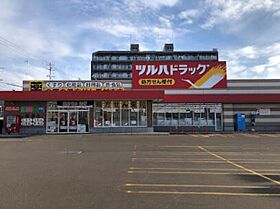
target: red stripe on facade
<point>81,95</point>
<point>223,98</point>
<point>137,95</point>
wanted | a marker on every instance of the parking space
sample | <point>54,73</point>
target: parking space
<point>239,170</point>
<point>203,171</point>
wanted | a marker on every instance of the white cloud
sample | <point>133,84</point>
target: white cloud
<point>160,32</point>
<point>221,11</point>
<point>165,21</point>
<point>152,4</point>
<point>8,9</point>
<point>189,15</point>
<point>254,62</point>
<point>112,26</point>
<point>250,52</point>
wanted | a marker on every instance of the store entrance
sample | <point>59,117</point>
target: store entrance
<point>68,121</point>
<point>218,122</point>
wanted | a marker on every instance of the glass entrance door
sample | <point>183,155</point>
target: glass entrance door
<point>63,121</point>
<point>73,119</point>
<point>68,121</point>
<point>218,122</point>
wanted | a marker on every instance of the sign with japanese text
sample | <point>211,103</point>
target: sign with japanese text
<point>32,121</point>
<point>263,111</point>
<point>12,108</point>
<point>74,85</point>
<point>179,75</point>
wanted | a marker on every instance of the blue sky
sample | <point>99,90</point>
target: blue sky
<point>66,32</point>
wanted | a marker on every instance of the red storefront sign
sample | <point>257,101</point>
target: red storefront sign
<point>12,108</point>
<point>179,75</point>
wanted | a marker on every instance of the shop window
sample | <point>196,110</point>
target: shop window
<point>32,116</point>
<point>134,113</point>
<point>133,104</point>
<point>83,122</point>
<point>142,117</point>
<point>211,118</point>
<point>120,113</point>
<point>125,104</point>
<point>142,104</point>
<point>98,104</point>
<point>133,117</point>
<point>161,119</point>
<point>52,122</point>
<point>189,118</point>
<point>107,104</point>
<point>107,117</point>
<point>187,115</point>
<point>116,117</point>
<point>175,119</point>
<point>116,113</point>
<point>98,117</point>
<point>168,117</point>
<point>125,117</point>
<point>203,118</point>
<point>155,119</point>
<point>182,120</point>
<point>196,118</point>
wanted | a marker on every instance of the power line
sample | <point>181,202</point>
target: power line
<point>19,49</point>
<point>15,49</point>
<point>11,84</point>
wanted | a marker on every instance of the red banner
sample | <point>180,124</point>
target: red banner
<point>179,75</point>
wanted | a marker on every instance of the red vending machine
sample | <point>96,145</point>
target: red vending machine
<point>12,124</point>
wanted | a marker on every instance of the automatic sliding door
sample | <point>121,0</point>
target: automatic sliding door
<point>63,122</point>
<point>218,121</point>
<point>73,119</point>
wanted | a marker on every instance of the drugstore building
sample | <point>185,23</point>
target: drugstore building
<point>143,92</point>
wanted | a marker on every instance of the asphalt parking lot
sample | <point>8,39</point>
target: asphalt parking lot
<point>141,172</point>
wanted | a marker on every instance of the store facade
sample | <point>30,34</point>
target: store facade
<point>65,107</point>
<point>161,97</point>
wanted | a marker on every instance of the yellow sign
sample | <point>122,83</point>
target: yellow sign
<point>157,82</point>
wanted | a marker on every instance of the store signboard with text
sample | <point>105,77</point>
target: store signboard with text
<point>74,85</point>
<point>179,75</point>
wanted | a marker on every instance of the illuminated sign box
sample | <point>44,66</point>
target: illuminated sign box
<point>179,75</point>
<point>74,85</point>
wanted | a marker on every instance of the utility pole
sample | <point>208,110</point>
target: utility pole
<point>51,71</point>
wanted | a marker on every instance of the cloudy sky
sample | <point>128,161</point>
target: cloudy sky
<point>65,32</point>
